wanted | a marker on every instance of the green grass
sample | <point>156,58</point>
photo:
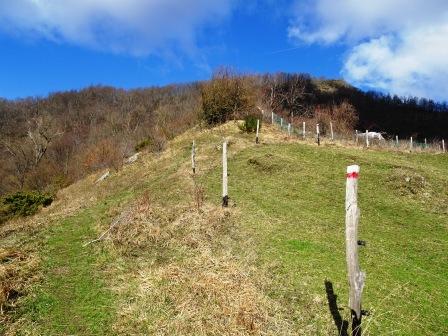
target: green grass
<point>292,204</point>
<point>289,214</point>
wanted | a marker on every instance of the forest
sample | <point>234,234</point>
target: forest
<point>50,142</point>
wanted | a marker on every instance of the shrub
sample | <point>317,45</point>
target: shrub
<point>22,204</point>
<point>250,124</point>
<point>142,144</point>
<point>225,97</point>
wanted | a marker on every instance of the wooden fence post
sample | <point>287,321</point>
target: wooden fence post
<point>331,130</point>
<point>367,138</point>
<point>318,134</point>
<point>289,129</point>
<point>411,144</point>
<point>272,117</point>
<point>281,123</point>
<point>357,137</point>
<point>356,277</point>
<point>225,196</point>
<point>396,140</point>
<point>443,145</point>
<point>193,157</point>
<point>258,129</point>
<point>304,130</point>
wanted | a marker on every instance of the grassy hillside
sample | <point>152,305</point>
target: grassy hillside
<point>273,263</point>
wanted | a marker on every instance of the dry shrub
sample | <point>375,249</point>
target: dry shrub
<point>343,116</point>
<point>104,154</point>
<point>17,270</point>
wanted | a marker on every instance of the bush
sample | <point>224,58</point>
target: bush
<point>226,96</point>
<point>250,124</point>
<point>22,204</point>
<point>142,144</point>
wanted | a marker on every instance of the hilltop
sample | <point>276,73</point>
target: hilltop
<point>273,263</point>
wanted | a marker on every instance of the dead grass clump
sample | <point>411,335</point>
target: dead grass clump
<point>205,295</point>
<point>16,270</point>
<point>407,182</point>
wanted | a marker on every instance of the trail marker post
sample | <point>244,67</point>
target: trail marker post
<point>356,277</point>
<point>304,130</point>
<point>258,130</point>
<point>331,130</point>
<point>318,134</point>
<point>367,139</point>
<point>225,196</point>
<point>193,157</point>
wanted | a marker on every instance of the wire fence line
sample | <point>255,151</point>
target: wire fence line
<point>308,130</point>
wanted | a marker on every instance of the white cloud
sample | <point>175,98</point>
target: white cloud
<point>400,46</point>
<point>136,27</point>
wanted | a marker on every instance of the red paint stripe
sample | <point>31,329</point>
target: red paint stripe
<point>352,175</point>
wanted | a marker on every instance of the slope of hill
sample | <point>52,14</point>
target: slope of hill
<point>175,263</point>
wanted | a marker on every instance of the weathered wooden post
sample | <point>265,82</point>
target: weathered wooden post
<point>356,277</point>
<point>411,144</point>
<point>304,130</point>
<point>426,144</point>
<point>225,196</point>
<point>272,117</point>
<point>367,138</point>
<point>396,140</point>
<point>443,145</point>
<point>193,157</point>
<point>258,130</point>
<point>318,134</point>
<point>357,137</point>
<point>281,123</point>
<point>289,129</point>
<point>331,130</point>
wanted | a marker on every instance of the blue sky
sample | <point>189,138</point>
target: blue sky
<point>54,45</point>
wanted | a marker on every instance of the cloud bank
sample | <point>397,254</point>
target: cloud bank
<point>400,46</point>
<point>137,27</point>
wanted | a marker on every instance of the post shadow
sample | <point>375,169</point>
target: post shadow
<point>341,324</point>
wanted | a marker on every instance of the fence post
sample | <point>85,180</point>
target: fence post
<point>225,196</point>
<point>304,131</point>
<point>367,138</point>
<point>356,277</point>
<point>272,117</point>
<point>318,134</point>
<point>356,139</point>
<point>396,140</point>
<point>331,130</point>
<point>258,129</point>
<point>443,145</point>
<point>411,144</point>
<point>281,123</point>
<point>289,129</point>
<point>193,157</point>
<point>426,144</point>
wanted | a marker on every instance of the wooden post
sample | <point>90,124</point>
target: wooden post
<point>193,157</point>
<point>411,144</point>
<point>426,144</point>
<point>443,145</point>
<point>225,196</point>
<point>272,117</point>
<point>289,129</point>
<point>281,123</point>
<point>356,277</point>
<point>396,140</point>
<point>331,130</point>
<point>367,138</point>
<point>357,137</point>
<point>304,130</point>
<point>258,129</point>
<point>318,134</point>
